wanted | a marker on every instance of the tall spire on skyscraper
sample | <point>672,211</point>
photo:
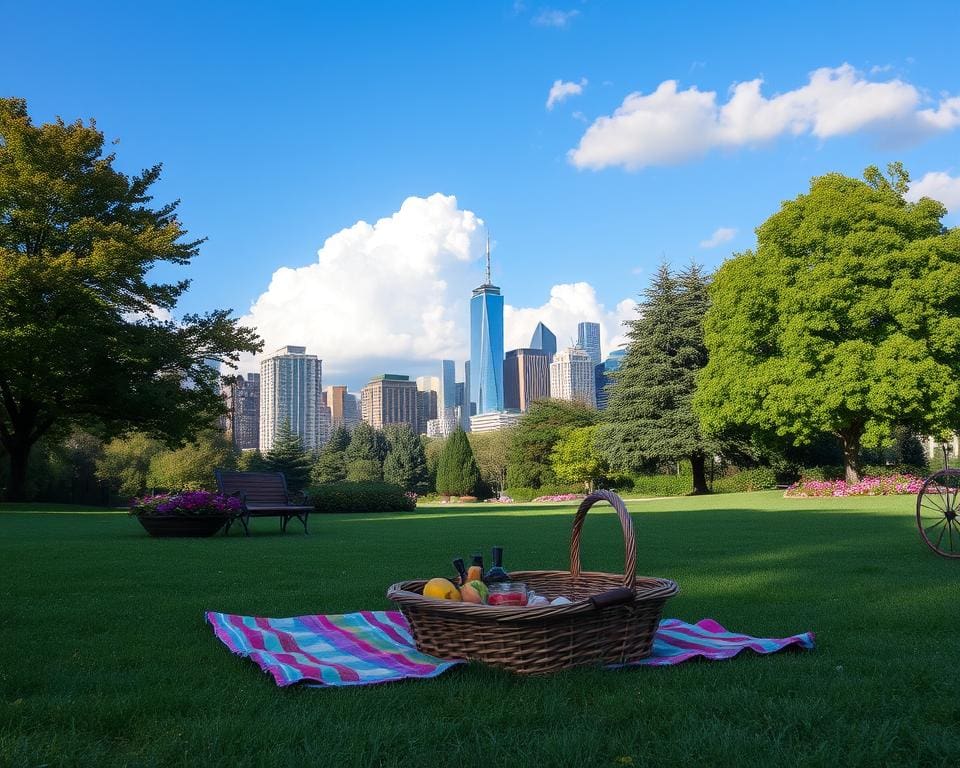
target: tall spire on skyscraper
<point>488,258</point>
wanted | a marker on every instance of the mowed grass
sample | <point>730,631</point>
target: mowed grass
<point>105,659</point>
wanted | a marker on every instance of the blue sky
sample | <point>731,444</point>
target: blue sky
<point>280,124</point>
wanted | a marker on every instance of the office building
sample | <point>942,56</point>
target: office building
<point>343,407</point>
<point>588,339</point>
<point>242,423</point>
<point>526,377</point>
<point>290,393</point>
<point>603,378</point>
<point>544,340</point>
<point>463,401</point>
<point>389,399</point>
<point>447,394</point>
<point>572,377</point>
<point>447,421</point>
<point>493,420</point>
<point>486,345</point>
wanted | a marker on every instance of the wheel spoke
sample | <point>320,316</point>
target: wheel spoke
<point>942,531</point>
<point>950,526</point>
<point>937,512</point>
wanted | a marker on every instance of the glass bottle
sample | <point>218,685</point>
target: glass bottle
<point>496,574</point>
<point>475,571</point>
<point>461,570</point>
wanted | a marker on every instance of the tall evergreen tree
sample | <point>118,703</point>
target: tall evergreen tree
<point>331,464</point>
<point>457,473</point>
<point>365,454</point>
<point>339,439</point>
<point>289,456</point>
<point>406,462</point>
<point>650,413</point>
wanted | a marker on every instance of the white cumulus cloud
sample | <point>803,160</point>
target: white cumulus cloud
<point>940,186</point>
<point>560,91</point>
<point>671,125</point>
<point>552,17</point>
<point>393,296</point>
<point>568,305</point>
<point>720,235</point>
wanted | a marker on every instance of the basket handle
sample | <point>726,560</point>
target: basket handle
<point>629,541</point>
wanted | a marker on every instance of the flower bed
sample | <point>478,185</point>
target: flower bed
<point>562,497</point>
<point>868,486</point>
<point>187,504</point>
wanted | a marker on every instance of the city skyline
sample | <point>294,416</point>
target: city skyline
<point>575,176</point>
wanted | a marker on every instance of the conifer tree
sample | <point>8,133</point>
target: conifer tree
<point>365,454</point>
<point>339,439</point>
<point>650,413</point>
<point>457,473</point>
<point>406,462</point>
<point>289,456</point>
<point>331,464</point>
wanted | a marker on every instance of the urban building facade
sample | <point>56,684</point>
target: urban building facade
<point>588,339</point>
<point>446,423</point>
<point>242,424</point>
<point>447,395</point>
<point>526,377</point>
<point>544,340</point>
<point>486,345</point>
<point>290,386</point>
<point>389,399</point>
<point>343,407</point>
<point>572,377</point>
<point>493,420</point>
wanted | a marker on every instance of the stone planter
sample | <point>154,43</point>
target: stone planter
<point>182,525</point>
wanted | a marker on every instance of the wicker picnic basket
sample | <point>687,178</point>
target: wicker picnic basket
<point>611,620</point>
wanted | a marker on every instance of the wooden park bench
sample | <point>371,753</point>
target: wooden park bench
<point>263,494</point>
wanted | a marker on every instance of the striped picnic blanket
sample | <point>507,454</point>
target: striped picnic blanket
<point>376,647</point>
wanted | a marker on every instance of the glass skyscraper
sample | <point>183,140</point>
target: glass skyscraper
<point>588,337</point>
<point>544,340</point>
<point>486,345</point>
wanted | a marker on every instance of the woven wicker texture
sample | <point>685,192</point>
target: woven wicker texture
<point>550,638</point>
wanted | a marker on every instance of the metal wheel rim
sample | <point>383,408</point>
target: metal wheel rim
<point>938,504</point>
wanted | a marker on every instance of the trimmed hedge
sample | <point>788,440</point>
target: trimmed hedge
<point>529,494</point>
<point>867,470</point>
<point>661,485</point>
<point>360,497</point>
<point>758,479</point>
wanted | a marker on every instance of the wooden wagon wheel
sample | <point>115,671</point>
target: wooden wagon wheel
<point>938,504</point>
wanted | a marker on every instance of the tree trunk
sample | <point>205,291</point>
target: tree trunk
<point>699,463</point>
<point>19,456</point>
<point>850,442</point>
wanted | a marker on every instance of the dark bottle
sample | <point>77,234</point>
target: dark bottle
<point>496,573</point>
<point>461,569</point>
<point>475,572</point>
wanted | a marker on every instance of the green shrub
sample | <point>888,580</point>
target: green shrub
<point>890,470</point>
<point>361,497</point>
<point>661,485</point>
<point>758,479</point>
<point>821,473</point>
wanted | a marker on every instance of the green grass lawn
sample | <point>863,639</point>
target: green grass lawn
<point>105,659</point>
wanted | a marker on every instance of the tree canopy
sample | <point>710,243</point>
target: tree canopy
<point>846,319</point>
<point>457,473</point>
<point>82,326</point>
<point>650,409</point>
<point>406,462</point>
<point>288,455</point>
<point>576,459</point>
<point>535,435</point>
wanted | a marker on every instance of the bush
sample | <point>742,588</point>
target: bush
<point>522,493</point>
<point>361,497</point>
<point>830,472</point>
<point>758,479</point>
<point>662,485</point>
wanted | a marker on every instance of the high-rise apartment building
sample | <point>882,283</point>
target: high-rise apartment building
<point>603,378</point>
<point>526,377</point>
<point>544,340</point>
<point>486,345</point>
<point>389,399</point>
<point>447,421</point>
<point>588,338</point>
<point>343,407</point>
<point>290,392</point>
<point>242,397</point>
<point>572,377</point>
<point>447,394</point>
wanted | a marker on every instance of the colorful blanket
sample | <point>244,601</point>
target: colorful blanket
<point>376,647</point>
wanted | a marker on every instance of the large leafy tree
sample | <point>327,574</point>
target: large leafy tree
<point>533,438</point>
<point>846,319</point>
<point>192,466</point>
<point>125,463</point>
<point>81,339</point>
<point>650,413</point>
<point>576,459</point>
<point>491,451</point>
<point>406,462</point>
